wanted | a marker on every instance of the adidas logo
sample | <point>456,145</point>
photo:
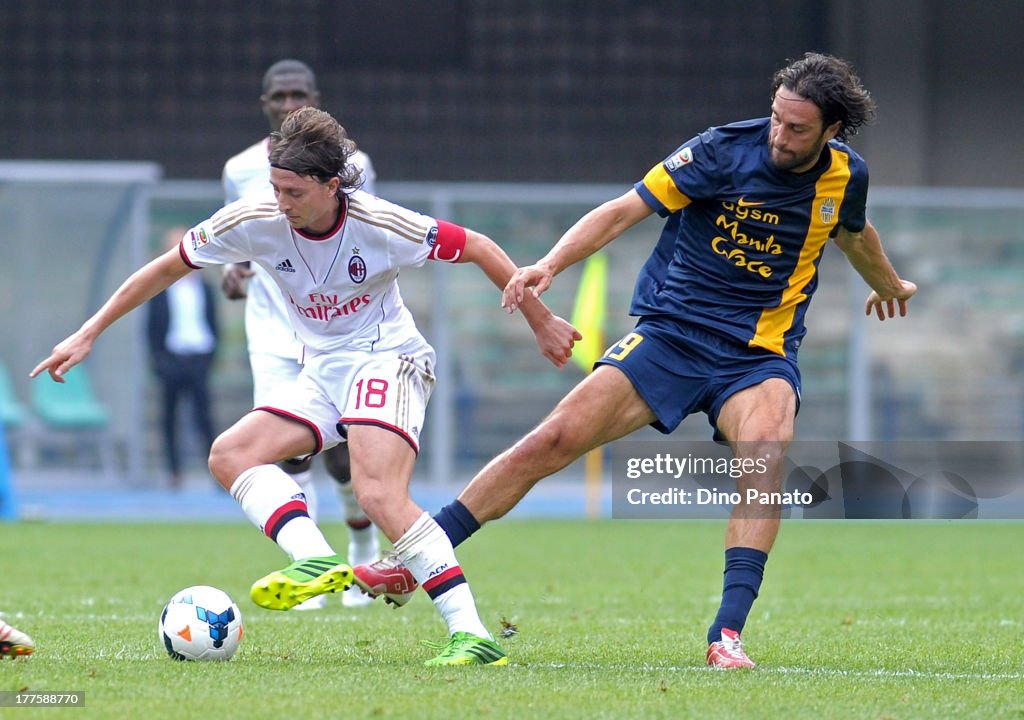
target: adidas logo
<point>284,266</point>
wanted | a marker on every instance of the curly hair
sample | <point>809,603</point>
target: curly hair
<point>313,144</point>
<point>831,84</point>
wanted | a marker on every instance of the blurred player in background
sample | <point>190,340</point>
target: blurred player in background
<point>182,332</point>
<point>721,302</point>
<point>336,252</point>
<point>14,642</point>
<point>273,348</point>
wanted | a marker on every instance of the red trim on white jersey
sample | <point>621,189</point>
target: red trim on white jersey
<point>337,226</point>
<point>386,426</point>
<point>184,257</point>
<point>450,242</point>
<point>318,438</point>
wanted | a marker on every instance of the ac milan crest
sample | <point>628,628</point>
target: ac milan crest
<point>356,269</point>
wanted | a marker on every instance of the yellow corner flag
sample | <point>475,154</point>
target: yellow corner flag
<point>589,317</point>
<point>589,314</point>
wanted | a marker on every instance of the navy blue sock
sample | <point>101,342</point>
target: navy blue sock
<point>457,522</point>
<point>744,568</point>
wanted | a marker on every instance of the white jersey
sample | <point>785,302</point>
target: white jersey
<point>341,289</point>
<point>267,327</point>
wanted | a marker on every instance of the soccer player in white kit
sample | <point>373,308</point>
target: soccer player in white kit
<point>335,252</point>
<point>273,347</point>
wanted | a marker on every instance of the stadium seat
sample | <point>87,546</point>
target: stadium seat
<point>71,412</point>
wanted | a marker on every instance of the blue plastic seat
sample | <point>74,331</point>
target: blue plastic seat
<point>71,411</point>
<point>69,405</point>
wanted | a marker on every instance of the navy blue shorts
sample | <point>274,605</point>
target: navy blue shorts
<point>679,369</point>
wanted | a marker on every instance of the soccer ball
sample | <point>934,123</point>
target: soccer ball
<point>201,623</point>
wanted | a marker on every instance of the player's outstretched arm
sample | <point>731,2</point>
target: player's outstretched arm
<point>145,283</point>
<point>590,233</point>
<point>555,337</point>
<point>889,292</point>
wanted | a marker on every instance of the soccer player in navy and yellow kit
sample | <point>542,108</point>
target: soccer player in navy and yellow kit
<point>721,305</point>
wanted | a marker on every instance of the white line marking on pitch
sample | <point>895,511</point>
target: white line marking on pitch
<point>830,672</point>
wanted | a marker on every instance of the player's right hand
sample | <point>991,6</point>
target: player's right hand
<point>233,282</point>
<point>535,277</point>
<point>68,353</point>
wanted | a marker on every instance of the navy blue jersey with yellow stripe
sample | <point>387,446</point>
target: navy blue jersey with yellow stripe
<point>739,252</point>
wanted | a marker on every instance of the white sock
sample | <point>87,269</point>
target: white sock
<point>363,545</point>
<point>428,554</point>
<point>304,480</point>
<point>274,503</point>
<point>363,542</point>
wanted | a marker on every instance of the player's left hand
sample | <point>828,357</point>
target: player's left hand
<point>555,338</point>
<point>887,306</point>
<point>66,354</point>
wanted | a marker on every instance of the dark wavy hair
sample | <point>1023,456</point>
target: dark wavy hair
<point>831,84</point>
<point>313,144</point>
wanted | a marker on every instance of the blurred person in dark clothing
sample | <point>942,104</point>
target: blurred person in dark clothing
<point>182,333</point>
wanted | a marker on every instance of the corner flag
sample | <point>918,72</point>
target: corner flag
<point>589,317</point>
<point>589,313</point>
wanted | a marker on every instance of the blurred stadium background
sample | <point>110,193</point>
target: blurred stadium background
<point>512,117</point>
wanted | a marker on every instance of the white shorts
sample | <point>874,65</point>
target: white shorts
<point>270,372</point>
<point>386,389</point>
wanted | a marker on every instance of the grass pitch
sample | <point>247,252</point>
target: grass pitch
<point>855,620</point>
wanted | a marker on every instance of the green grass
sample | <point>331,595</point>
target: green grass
<point>855,620</point>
